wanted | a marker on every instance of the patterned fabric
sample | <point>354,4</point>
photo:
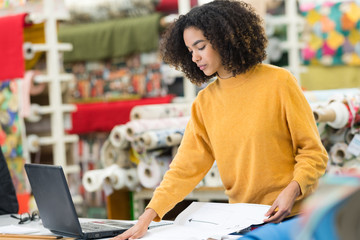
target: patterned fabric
<point>332,33</point>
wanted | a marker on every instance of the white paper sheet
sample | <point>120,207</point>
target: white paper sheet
<point>202,220</point>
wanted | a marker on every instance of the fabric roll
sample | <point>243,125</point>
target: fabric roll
<point>132,179</point>
<point>156,138</point>
<point>336,114</point>
<point>142,125</point>
<point>349,135</point>
<point>137,145</point>
<point>118,137</point>
<point>34,113</point>
<point>12,64</point>
<point>200,184</point>
<point>174,150</point>
<point>34,34</point>
<point>94,179</point>
<point>116,178</point>
<point>175,138</point>
<point>151,173</point>
<point>117,33</point>
<point>212,178</point>
<point>339,153</point>
<point>29,52</point>
<point>33,143</point>
<point>156,111</point>
<point>111,155</point>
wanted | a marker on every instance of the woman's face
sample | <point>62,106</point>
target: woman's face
<point>203,54</point>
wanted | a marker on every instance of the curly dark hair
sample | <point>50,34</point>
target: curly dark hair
<point>233,29</point>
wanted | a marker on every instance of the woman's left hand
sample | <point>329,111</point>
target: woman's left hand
<point>283,204</point>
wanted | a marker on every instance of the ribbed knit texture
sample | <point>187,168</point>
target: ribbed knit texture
<point>260,130</point>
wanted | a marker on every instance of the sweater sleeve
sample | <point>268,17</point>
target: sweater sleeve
<point>191,163</point>
<point>310,155</point>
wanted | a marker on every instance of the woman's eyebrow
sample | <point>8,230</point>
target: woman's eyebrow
<point>196,42</point>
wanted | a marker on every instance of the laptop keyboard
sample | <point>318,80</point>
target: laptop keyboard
<point>103,226</point>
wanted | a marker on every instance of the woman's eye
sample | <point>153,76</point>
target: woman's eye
<point>202,48</point>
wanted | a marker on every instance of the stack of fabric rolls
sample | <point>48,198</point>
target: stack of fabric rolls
<point>137,154</point>
<point>338,120</point>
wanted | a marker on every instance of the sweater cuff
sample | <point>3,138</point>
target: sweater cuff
<point>160,213</point>
<point>303,186</point>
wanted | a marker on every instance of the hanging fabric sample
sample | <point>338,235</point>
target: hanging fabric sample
<point>11,47</point>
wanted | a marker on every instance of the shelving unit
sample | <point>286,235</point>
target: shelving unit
<point>54,78</point>
<point>293,23</point>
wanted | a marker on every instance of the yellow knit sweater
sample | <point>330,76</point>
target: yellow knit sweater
<point>260,130</point>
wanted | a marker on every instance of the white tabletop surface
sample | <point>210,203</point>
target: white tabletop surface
<point>8,222</point>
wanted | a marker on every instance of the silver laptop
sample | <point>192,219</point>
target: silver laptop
<point>57,210</point>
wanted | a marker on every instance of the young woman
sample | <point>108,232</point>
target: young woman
<point>253,119</point>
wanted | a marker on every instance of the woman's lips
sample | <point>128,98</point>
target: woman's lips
<point>202,67</point>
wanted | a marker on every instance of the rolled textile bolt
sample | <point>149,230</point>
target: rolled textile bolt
<point>142,125</point>
<point>156,138</point>
<point>109,155</point>
<point>324,115</point>
<point>212,178</point>
<point>341,111</point>
<point>117,178</point>
<point>174,139</point>
<point>339,153</point>
<point>130,132</point>
<point>35,115</point>
<point>158,111</point>
<point>149,174</point>
<point>28,50</point>
<point>349,135</point>
<point>132,179</point>
<point>33,143</point>
<point>118,137</point>
<point>145,139</point>
<point>174,150</point>
<point>93,179</point>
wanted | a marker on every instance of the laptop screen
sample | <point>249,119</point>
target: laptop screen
<point>53,199</point>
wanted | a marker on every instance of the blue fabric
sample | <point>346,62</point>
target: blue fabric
<point>281,231</point>
<point>326,229</point>
<point>288,230</point>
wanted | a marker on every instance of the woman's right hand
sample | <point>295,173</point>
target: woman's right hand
<point>140,228</point>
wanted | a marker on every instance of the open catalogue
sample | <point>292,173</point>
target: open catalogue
<point>205,220</point>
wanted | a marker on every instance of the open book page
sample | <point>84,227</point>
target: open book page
<point>202,220</point>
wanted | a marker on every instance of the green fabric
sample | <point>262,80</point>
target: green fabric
<point>319,77</point>
<point>114,38</point>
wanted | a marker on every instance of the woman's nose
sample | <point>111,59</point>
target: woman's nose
<point>195,57</point>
